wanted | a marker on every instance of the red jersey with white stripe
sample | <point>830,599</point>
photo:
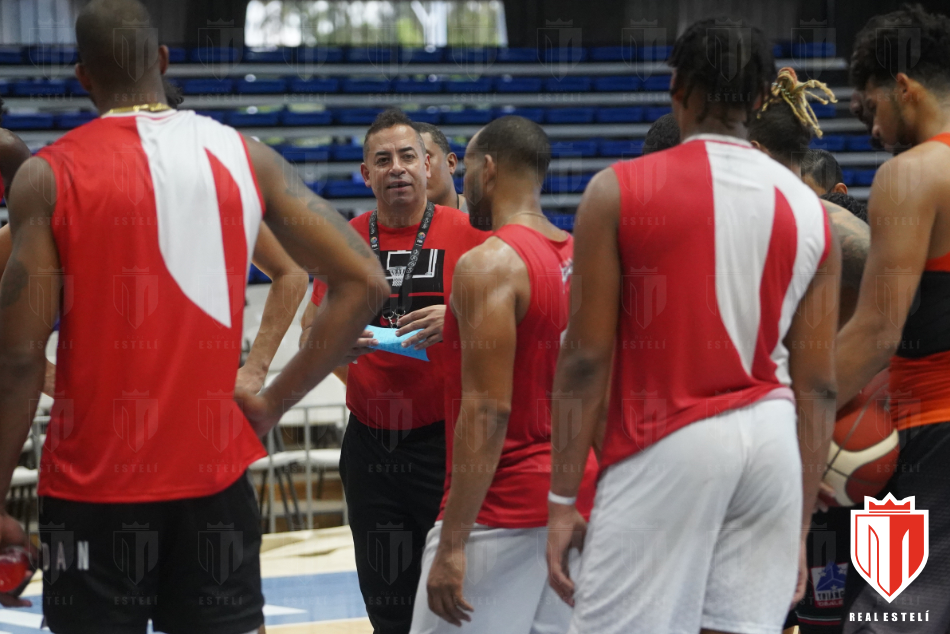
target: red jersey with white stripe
<point>718,244</point>
<point>518,495</point>
<point>156,217</point>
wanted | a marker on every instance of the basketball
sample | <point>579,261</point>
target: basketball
<point>863,452</point>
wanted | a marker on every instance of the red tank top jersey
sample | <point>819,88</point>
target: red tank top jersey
<point>156,215</point>
<point>391,391</point>
<point>718,244</point>
<point>518,495</point>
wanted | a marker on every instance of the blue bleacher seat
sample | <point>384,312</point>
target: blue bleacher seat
<point>47,54</point>
<point>623,149</point>
<point>782,49</point>
<point>207,86</point>
<point>256,276</point>
<point>830,142</point>
<point>655,112</point>
<point>482,84</point>
<point>73,87</point>
<point>804,50</point>
<point>217,115</point>
<point>847,177</point>
<point>315,56</point>
<point>4,87</point>
<point>471,56</point>
<point>425,116</point>
<point>346,189</point>
<point>11,55</point>
<point>572,184</point>
<point>469,116</point>
<point>246,119</point>
<point>657,83</point>
<point>611,53</point>
<point>177,55</point>
<point>859,143</point>
<point>315,85</point>
<point>346,152</point>
<point>568,83</point>
<point>570,115</point>
<point>214,55</point>
<point>260,87</point>
<point>38,87</point>
<point>38,121</point>
<point>379,54</point>
<point>296,154</point>
<point>356,116</point>
<point>518,84</point>
<point>421,55</point>
<point>458,148</point>
<point>265,55</point>
<point>517,55</point>
<point>619,115</point>
<point>416,86</point>
<point>564,222</point>
<point>74,119</point>
<point>824,111</point>
<point>324,117</point>
<point>653,53</point>
<point>317,187</point>
<point>568,55</point>
<point>864,178</point>
<point>619,83</point>
<point>532,114</point>
<point>366,85</point>
<point>566,149</point>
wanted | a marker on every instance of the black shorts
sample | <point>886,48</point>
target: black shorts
<point>189,565</point>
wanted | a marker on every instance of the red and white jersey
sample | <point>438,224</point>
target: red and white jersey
<point>518,495</point>
<point>156,217</point>
<point>718,244</point>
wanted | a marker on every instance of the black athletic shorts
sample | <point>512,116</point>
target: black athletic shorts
<point>192,565</point>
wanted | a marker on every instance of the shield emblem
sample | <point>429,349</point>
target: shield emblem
<point>815,33</point>
<point>475,436</point>
<point>826,305</point>
<point>389,549</point>
<point>900,181</point>
<point>228,298</point>
<point>649,177</point>
<point>43,286</point>
<point>63,181</point>
<point>221,34</point>
<point>393,413</point>
<point>57,550</point>
<point>219,419</point>
<point>571,177</point>
<point>135,48</point>
<point>481,557</point>
<point>135,295</point>
<point>559,46</point>
<point>135,418</point>
<point>465,304</point>
<point>728,47</point>
<point>135,550</point>
<point>894,288</point>
<point>644,416</point>
<point>62,418</point>
<point>644,42</point>
<point>469,53</point>
<point>560,418</point>
<point>46,57</point>
<point>901,49</point>
<point>220,550</point>
<point>128,168</point>
<point>384,52</point>
<point>553,298</point>
<point>644,296</point>
<point>890,543</point>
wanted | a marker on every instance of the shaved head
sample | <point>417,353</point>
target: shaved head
<point>117,44</point>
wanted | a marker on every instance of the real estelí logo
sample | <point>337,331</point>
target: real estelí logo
<point>890,545</point>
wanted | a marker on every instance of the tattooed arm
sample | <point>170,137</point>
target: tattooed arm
<point>318,238</point>
<point>854,237</point>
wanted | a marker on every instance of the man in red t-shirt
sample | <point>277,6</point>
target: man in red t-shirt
<point>510,305</point>
<point>393,456</point>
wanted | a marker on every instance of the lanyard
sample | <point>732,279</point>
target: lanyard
<point>393,312</point>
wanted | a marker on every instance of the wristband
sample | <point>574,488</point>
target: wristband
<point>560,499</point>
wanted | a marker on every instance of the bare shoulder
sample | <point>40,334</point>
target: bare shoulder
<point>493,256</point>
<point>841,218</point>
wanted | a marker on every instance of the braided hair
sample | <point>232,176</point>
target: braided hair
<point>786,122</point>
<point>731,63</point>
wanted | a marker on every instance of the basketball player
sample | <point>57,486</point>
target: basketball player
<point>663,134</point>
<point>143,470</point>
<point>509,308</point>
<point>392,462</point>
<point>442,165</point>
<point>902,313</point>
<point>821,172</point>
<point>783,128</point>
<point>703,496</point>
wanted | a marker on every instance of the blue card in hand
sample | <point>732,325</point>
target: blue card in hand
<point>389,342</point>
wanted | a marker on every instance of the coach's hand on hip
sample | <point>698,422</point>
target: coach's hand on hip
<point>566,529</point>
<point>430,319</point>
<point>444,585</point>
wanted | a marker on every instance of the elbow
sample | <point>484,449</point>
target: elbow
<point>580,367</point>
<point>17,367</point>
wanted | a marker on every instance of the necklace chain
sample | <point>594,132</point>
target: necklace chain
<point>148,107</point>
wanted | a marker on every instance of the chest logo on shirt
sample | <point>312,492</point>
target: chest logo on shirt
<point>428,286</point>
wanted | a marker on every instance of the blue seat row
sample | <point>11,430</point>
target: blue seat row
<point>858,178</point>
<point>547,52</point>
<point>841,143</point>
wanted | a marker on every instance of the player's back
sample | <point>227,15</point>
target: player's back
<point>156,216</point>
<point>718,244</point>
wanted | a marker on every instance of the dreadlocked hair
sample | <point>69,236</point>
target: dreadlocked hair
<point>730,62</point>
<point>786,123</point>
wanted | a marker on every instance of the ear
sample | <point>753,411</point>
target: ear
<point>840,188</point>
<point>428,165</point>
<point>676,92</point>
<point>453,162</point>
<point>489,172</point>
<point>364,172</point>
<point>759,147</point>
<point>162,59</point>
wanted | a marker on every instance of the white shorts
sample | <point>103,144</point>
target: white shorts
<point>700,530</point>
<point>506,582</point>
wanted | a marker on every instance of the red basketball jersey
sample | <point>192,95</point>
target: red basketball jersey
<point>718,244</point>
<point>156,215</point>
<point>518,496</point>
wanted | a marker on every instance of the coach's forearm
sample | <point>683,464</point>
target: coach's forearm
<point>21,379</point>
<point>478,442</point>
<point>580,377</point>
<point>816,423</point>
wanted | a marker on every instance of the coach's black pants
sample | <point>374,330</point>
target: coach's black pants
<point>393,482</point>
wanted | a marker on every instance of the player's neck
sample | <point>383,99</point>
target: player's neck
<point>934,118</point>
<point>112,97</point>
<point>400,217</point>
<point>712,124</point>
<point>513,205</point>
